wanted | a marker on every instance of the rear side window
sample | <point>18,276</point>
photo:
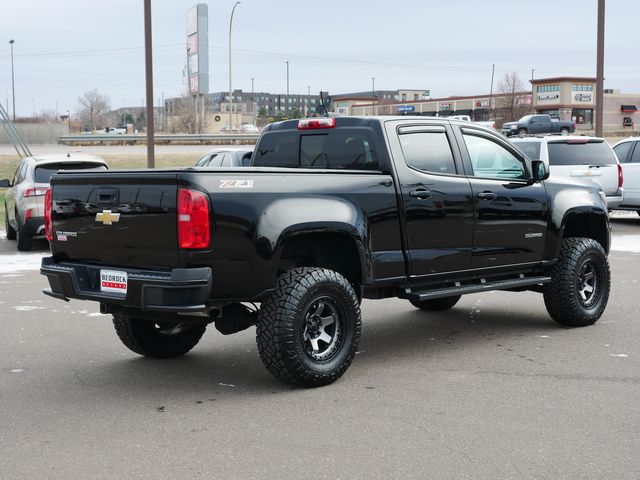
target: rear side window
<point>530,149</point>
<point>428,151</point>
<point>339,149</point>
<point>591,153</point>
<point>622,151</point>
<point>43,174</point>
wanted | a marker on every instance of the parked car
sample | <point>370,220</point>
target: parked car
<point>588,159</point>
<point>467,118</point>
<point>24,200</point>
<point>335,210</point>
<point>226,157</point>
<point>249,128</point>
<point>226,128</point>
<point>628,152</point>
<point>534,124</point>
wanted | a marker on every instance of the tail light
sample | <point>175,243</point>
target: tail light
<point>34,192</point>
<point>48,220</point>
<point>193,219</point>
<point>620,176</point>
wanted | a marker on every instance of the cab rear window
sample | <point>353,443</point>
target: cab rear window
<point>351,149</point>
<point>580,153</point>
<point>43,173</point>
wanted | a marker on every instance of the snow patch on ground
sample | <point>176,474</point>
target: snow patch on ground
<point>20,262</point>
<point>626,243</point>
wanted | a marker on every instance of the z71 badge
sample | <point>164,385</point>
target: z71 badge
<point>236,184</point>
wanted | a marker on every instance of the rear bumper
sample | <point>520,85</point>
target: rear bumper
<point>614,201</point>
<point>177,290</point>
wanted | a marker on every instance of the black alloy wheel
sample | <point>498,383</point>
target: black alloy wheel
<point>308,329</point>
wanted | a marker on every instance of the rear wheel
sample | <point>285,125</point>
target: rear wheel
<point>11,233</point>
<point>157,339</point>
<point>436,304</point>
<point>24,239</point>
<point>580,283</point>
<point>564,131</point>
<point>309,328</point>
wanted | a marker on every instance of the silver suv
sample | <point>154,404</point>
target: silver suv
<point>587,159</point>
<point>24,200</point>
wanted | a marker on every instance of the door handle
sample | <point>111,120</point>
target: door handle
<point>420,194</point>
<point>487,195</point>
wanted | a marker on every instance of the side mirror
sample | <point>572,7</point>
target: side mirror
<point>540,170</point>
<point>5,183</point>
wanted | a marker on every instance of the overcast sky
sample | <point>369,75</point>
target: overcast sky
<point>65,47</point>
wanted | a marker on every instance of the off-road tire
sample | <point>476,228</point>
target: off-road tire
<point>580,259</point>
<point>436,304</point>
<point>156,339</point>
<point>11,233</point>
<point>283,327</point>
<point>24,241</point>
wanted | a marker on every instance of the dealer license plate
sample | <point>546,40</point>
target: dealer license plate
<point>113,281</point>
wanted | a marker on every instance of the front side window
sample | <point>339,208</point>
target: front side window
<point>428,152</point>
<point>491,160</point>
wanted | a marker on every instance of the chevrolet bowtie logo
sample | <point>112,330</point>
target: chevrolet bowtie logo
<point>107,218</point>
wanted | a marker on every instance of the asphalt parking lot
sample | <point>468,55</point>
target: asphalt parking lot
<point>490,389</point>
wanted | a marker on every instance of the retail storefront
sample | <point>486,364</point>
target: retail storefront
<point>566,98</point>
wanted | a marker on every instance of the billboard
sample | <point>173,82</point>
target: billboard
<point>198,49</point>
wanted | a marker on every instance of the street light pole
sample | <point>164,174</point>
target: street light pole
<point>287,100</point>
<point>600,70</point>
<point>13,83</point>
<point>148,69</point>
<point>230,85</point>
<point>373,95</point>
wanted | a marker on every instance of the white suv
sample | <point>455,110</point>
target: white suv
<point>628,152</point>
<point>588,159</point>
<point>24,199</point>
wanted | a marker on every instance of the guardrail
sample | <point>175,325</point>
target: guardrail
<point>161,139</point>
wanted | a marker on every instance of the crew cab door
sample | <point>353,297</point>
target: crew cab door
<point>539,124</point>
<point>510,213</point>
<point>436,197</point>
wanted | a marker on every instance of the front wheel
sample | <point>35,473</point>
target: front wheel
<point>580,283</point>
<point>156,339</point>
<point>437,304</point>
<point>309,328</point>
<point>522,132</point>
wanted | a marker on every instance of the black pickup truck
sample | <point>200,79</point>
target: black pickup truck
<point>534,124</point>
<point>332,211</point>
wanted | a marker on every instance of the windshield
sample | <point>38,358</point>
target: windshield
<point>526,118</point>
<point>43,174</point>
<point>588,153</point>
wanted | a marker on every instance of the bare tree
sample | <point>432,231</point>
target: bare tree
<point>93,105</point>
<point>511,104</point>
<point>186,120</point>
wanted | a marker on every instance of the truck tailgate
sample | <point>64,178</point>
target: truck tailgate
<point>116,218</point>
